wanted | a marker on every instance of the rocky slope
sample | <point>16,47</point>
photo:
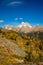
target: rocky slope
<point>9,51</point>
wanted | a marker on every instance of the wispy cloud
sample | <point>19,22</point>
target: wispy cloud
<point>21,18</point>
<point>16,18</point>
<point>15,3</point>
<point>1,21</point>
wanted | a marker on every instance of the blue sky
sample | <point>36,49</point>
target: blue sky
<point>13,12</point>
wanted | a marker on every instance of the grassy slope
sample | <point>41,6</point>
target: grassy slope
<point>33,46</point>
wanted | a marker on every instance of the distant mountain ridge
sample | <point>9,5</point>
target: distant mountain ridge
<point>37,28</point>
<point>24,27</point>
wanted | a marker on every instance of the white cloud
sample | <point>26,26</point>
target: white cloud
<point>1,21</point>
<point>18,18</point>
<point>21,18</point>
<point>15,3</point>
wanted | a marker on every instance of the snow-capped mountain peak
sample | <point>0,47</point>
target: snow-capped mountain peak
<point>9,27</point>
<point>24,27</point>
<point>23,24</point>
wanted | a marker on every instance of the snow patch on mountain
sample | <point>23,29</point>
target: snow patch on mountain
<point>23,24</point>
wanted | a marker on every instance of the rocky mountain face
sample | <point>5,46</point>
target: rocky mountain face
<point>24,28</point>
<point>37,28</point>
